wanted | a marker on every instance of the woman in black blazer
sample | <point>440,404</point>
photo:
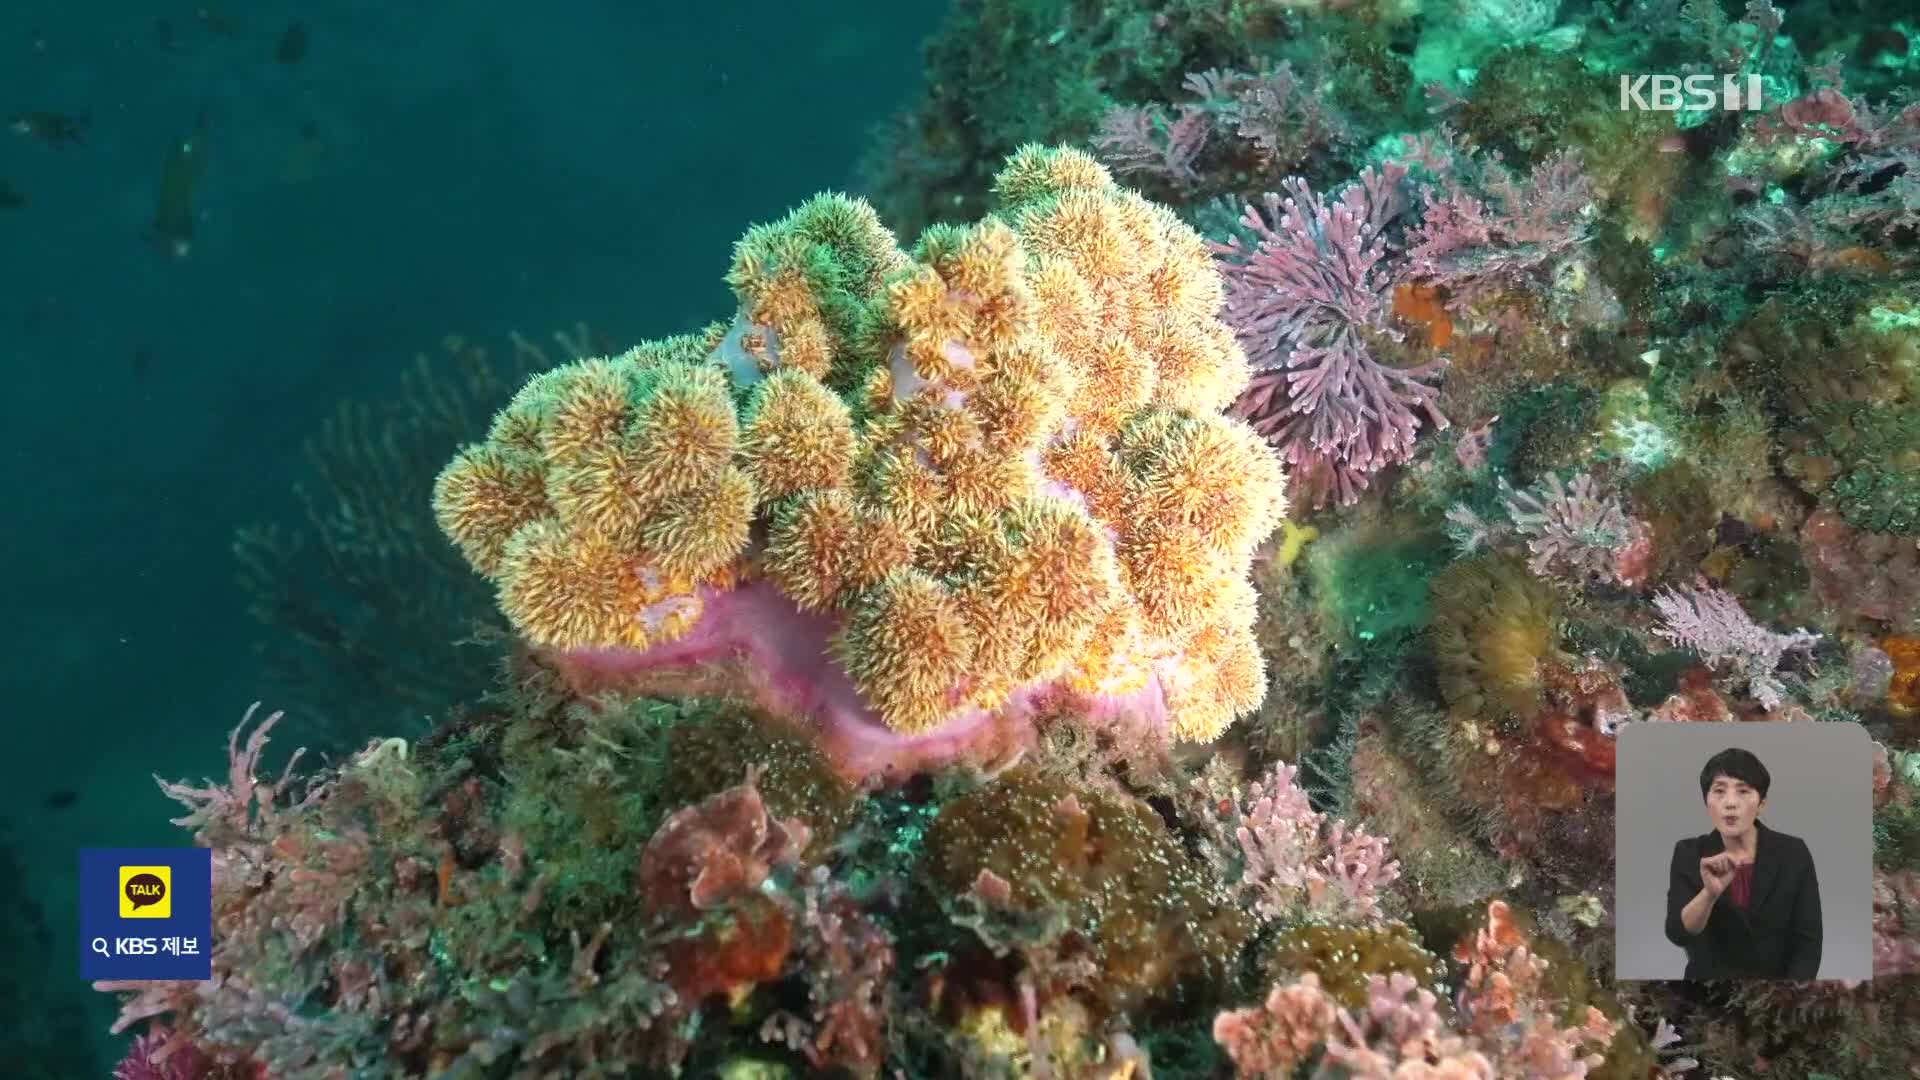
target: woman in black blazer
<point>1743,899</point>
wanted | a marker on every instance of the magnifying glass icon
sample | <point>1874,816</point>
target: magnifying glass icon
<point>100,946</point>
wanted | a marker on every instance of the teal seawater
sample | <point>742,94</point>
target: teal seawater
<point>412,170</point>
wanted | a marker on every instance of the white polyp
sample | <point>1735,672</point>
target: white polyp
<point>907,380</point>
<point>743,366</point>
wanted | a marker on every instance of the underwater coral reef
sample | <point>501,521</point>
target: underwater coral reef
<point>1175,617</point>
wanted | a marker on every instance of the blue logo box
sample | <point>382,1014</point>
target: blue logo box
<point>146,913</point>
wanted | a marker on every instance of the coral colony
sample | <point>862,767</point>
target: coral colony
<point>1175,617</point>
<point>916,503</point>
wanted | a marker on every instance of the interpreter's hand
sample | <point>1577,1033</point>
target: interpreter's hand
<point>1716,872</point>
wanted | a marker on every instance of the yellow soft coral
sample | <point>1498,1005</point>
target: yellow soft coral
<point>994,465</point>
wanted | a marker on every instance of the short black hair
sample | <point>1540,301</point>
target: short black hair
<point>1737,764</point>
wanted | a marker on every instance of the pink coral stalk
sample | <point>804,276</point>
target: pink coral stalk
<point>1293,870</point>
<point>1148,141</point>
<point>1505,1025</point>
<point>161,1055</point>
<point>752,642</point>
<point>1712,623</point>
<point>1357,867</point>
<point>1269,1041</point>
<point>1306,300</point>
<point>1473,246</point>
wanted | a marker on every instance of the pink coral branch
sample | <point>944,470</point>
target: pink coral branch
<point>1308,299</point>
<point>243,806</point>
<point>1712,623</point>
<point>1293,869</point>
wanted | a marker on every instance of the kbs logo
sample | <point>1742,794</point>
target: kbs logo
<point>146,892</point>
<point>1702,93</point>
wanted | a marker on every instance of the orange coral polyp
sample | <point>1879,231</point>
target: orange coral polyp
<point>1205,476</point>
<point>797,435</point>
<point>1174,573</point>
<point>485,496</point>
<point>590,412</point>
<point>908,649</point>
<point>812,546</point>
<point>688,430</point>
<point>568,591</point>
<point>702,529</point>
<point>603,491</point>
<point>979,482</point>
<point>1116,379</point>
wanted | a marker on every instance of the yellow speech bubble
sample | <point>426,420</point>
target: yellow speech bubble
<point>146,892</point>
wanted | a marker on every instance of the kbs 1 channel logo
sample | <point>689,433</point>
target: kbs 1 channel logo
<point>1696,93</point>
<point>146,913</point>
